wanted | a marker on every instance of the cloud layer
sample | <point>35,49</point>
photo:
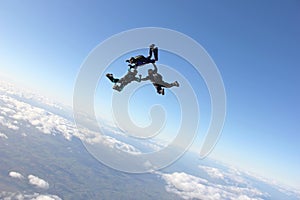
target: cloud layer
<point>15,112</point>
<point>222,185</point>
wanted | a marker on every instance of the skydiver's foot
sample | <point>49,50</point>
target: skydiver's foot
<point>109,75</point>
<point>115,80</point>
<point>176,84</point>
<point>162,92</point>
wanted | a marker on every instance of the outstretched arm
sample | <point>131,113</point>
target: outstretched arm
<point>145,79</point>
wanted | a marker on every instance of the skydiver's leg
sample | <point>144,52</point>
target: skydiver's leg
<point>124,81</point>
<point>116,80</point>
<point>169,85</point>
<point>150,54</point>
<point>155,52</point>
<point>111,78</point>
<point>119,87</point>
<point>159,88</point>
<point>151,61</point>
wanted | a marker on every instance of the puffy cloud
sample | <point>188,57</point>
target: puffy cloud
<point>212,172</point>
<point>16,175</point>
<point>2,135</point>
<point>19,196</point>
<point>192,187</point>
<point>9,124</point>
<point>47,197</point>
<point>230,175</point>
<point>38,182</point>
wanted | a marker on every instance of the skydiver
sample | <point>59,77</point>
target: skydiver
<point>122,82</point>
<point>157,81</point>
<point>139,60</point>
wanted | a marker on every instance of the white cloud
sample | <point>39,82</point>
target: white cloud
<point>20,196</point>
<point>231,175</point>
<point>13,89</point>
<point>38,182</point>
<point>2,135</point>
<point>16,175</point>
<point>288,190</point>
<point>9,124</point>
<point>192,187</point>
<point>47,197</point>
<point>49,123</point>
<point>95,138</point>
<point>212,172</point>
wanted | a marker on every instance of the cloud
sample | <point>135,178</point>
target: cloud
<point>16,110</point>
<point>2,135</point>
<point>21,196</point>
<point>96,138</point>
<point>13,90</point>
<point>15,175</point>
<point>231,175</point>
<point>192,187</point>
<point>47,197</point>
<point>8,124</point>
<point>212,172</point>
<point>288,190</point>
<point>38,182</point>
<point>49,123</point>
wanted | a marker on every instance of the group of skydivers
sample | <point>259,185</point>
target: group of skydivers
<point>153,75</point>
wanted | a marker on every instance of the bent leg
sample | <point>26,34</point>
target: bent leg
<point>111,78</point>
<point>158,88</point>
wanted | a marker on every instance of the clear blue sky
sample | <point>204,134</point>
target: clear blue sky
<point>255,45</point>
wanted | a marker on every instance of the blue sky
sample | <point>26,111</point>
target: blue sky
<point>255,45</point>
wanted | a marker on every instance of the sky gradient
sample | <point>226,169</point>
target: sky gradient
<point>255,45</point>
